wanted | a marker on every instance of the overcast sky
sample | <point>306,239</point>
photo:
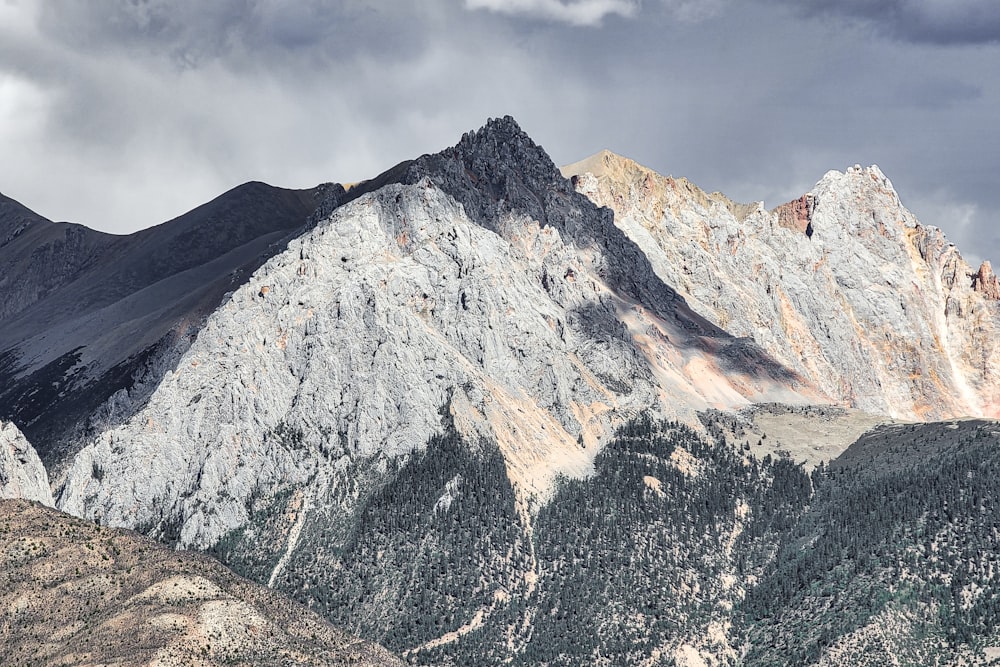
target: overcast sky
<point>121,114</point>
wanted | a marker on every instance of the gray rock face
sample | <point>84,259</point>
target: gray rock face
<point>348,345</point>
<point>499,174</point>
<point>90,321</point>
<point>843,285</point>
<point>21,472</point>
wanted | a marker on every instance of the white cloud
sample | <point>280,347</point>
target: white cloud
<point>591,13</point>
<point>693,11</point>
<point>573,12</point>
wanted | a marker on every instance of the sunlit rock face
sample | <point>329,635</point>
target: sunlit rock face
<point>90,322</point>
<point>21,472</point>
<point>844,285</point>
<point>473,284</point>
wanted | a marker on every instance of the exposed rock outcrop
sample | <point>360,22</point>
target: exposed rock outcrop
<point>89,322</point>
<point>986,283</point>
<point>843,285</point>
<point>797,214</point>
<point>540,335</point>
<point>21,472</point>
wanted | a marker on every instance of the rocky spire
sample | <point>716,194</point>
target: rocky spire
<point>797,214</point>
<point>985,282</point>
<point>496,170</point>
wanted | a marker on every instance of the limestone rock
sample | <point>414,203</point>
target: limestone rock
<point>21,472</point>
<point>843,285</point>
<point>985,282</point>
<point>89,321</point>
<point>541,335</point>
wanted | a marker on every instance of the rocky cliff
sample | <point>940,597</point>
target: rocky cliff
<point>487,288</point>
<point>89,322</point>
<point>844,285</point>
<point>21,472</point>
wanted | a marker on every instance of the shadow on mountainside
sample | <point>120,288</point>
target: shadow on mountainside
<point>499,170</point>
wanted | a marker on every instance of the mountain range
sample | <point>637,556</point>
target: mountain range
<point>481,410</point>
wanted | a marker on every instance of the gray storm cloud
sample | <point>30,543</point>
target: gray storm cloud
<point>574,12</point>
<point>123,113</point>
<point>932,21</point>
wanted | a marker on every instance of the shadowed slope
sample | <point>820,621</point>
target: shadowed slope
<point>84,315</point>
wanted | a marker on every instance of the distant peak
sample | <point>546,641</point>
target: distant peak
<point>985,282</point>
<point>502,140</point>
<point>857,173</point>
<point>599,164</point>
<point>504,126</point>
<point>494,135</point>
<point>621,171</point>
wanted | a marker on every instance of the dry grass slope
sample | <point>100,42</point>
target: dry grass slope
<point>74,593</point>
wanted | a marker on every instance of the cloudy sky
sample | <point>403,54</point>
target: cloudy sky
<point>121,114</point>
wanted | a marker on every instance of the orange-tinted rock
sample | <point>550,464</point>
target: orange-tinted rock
<point>797,214</point>
<point>985,282</point>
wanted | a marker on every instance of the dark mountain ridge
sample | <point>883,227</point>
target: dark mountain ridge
<point>84,314</point>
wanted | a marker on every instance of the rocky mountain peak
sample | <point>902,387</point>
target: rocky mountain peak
<point>503,138</point>
<point>907,332</point>
<point>495,171</point>
<point>985,282</point>
<point>597,164</point>
<point>644,182</point>
<point>867,186</point>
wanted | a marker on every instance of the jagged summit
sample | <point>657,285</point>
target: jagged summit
<point>985,281</point>
<point>872,172</point>
<point>861,182</point>
<point>843,284</point>
<point>503,136</point>
<point>642,179</point>
<point>495,171</point>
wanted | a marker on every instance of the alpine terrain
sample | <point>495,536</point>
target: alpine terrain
<point>482,411</point>
<point>843,285</point>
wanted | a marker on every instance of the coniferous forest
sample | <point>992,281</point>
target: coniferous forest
<point>678,542</point>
